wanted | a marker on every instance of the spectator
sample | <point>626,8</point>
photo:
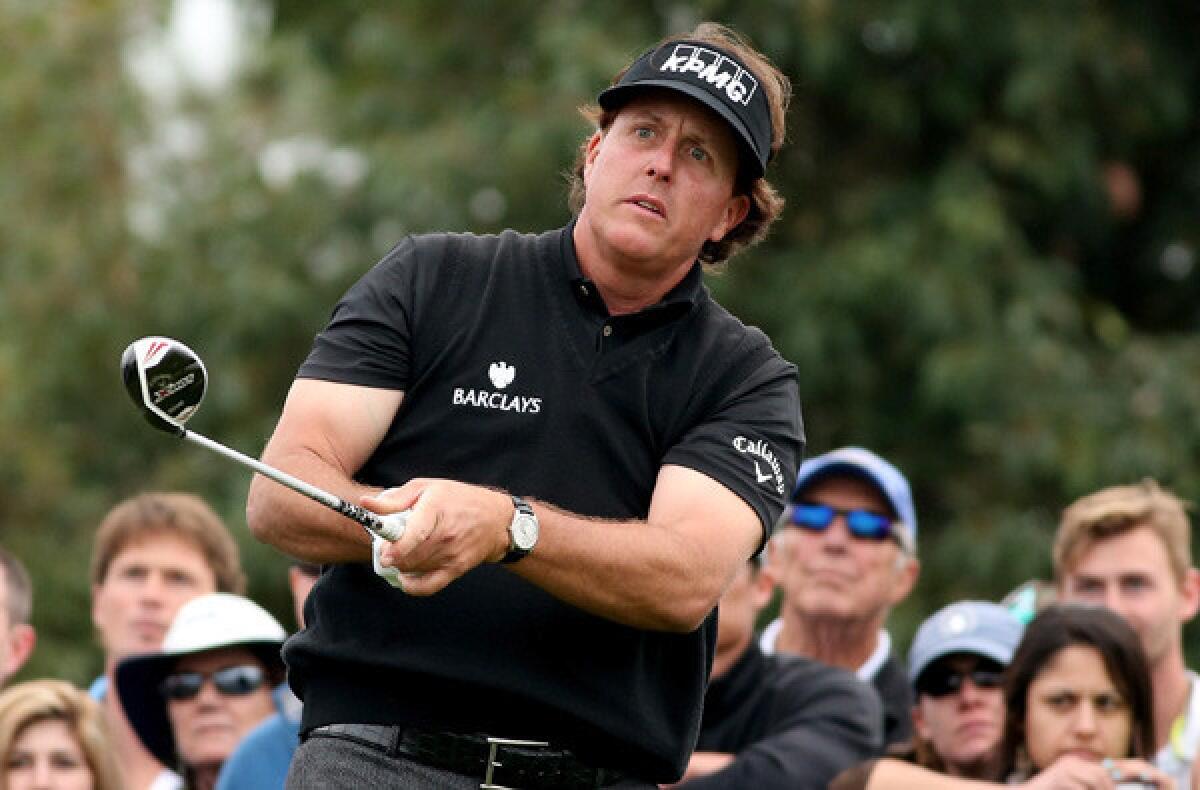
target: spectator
<point>847,557</point>
<point>1129,548</point>
<point>17,636</point>
<point>53,736</point>
<point>956,665</point>
<point>152,554</point>
<point>261,760</point>
<point>1079,711</point>
<point>210,685</point>
<point>776,721</point>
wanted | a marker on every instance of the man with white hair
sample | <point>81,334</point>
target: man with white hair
<point>845,555</point>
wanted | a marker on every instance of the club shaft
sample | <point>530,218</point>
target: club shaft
<point>364,517</point>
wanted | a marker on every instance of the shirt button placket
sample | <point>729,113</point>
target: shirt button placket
<point>605,333</point>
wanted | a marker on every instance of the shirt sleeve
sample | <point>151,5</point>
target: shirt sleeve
<point>752,438</point>
<point>368,338</point>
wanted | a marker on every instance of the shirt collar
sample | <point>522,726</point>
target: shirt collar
<point>675,302</point>
<point>883,648</point>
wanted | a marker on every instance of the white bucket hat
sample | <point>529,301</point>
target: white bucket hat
<point>210,622</point>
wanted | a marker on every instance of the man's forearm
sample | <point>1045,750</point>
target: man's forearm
<point>299,527</point>
<point>664,573</point>
<point>638,573</point>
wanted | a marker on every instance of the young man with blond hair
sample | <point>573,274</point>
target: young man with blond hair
<point>1128,548</point>
<point>152,553</point>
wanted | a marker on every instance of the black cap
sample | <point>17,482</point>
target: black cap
<point>713,77</point>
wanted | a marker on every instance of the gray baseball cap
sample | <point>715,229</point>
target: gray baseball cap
<point>977,627</point>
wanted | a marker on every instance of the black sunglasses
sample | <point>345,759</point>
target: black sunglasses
<point>941,681</point>
<point>233,681</point>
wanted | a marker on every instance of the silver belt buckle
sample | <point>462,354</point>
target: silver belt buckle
<point>492,763</point>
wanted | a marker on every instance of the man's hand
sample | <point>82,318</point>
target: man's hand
<point>1074,773</point>
<point>453,527</point>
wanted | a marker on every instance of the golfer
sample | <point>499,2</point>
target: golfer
<point>589,448</point>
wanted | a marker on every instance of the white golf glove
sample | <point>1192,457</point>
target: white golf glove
<point>386,572</point>
<point>393,527</point>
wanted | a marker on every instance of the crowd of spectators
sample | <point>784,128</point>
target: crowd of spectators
<point>1083,685</point>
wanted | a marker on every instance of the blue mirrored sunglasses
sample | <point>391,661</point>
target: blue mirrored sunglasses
<point>865,524</point>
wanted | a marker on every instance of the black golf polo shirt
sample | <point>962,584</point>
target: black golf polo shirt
<point>514,375</point>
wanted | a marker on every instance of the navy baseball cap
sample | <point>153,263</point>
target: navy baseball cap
<point>711,76</point>
<point>976,627</point>
<point>864,464</point>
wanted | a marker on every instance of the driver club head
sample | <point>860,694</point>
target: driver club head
<point>165,379</point>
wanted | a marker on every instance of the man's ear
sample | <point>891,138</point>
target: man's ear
<point>905,578</point>
<point>764,587</point>
<point>1190,593</point>
<point>736,210</point>
<point>591,149</point>
<point>22,639</point>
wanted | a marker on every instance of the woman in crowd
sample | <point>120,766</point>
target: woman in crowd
<point>53,737</point>
<point>1079,712</point>
<point>192,702</point>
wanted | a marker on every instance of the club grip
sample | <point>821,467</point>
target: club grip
<point>392,526</point>
<point>389,527</point>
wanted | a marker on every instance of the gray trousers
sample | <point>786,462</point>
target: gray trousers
<point>322,763</point>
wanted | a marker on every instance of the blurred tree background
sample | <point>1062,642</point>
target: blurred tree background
<point>986,270</point>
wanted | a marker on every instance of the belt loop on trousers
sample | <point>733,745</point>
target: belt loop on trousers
<point>397,734</point>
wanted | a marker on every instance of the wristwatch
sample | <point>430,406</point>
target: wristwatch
<point>522,532</point>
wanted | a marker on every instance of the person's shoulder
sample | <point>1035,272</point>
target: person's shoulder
<point>99,688</point>
<point>721,335</point>
<point>275,729</point>
<point>892,672</point>
<point>466,243</point>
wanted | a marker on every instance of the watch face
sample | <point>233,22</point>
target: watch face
<point>524,532</point>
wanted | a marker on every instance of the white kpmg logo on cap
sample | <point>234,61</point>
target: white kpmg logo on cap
<point>715,69</point>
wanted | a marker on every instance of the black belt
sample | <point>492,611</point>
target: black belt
<point>498,762</point>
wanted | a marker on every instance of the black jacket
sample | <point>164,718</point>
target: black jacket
<point>792,722</point>
<point>891,682</point>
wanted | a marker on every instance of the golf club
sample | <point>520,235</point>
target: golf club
<point>167,381</point>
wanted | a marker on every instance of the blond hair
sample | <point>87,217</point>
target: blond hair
<point>1120,509</point>
<point>766,203</point>
<point>54,700</point>
<point>182,515</point>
